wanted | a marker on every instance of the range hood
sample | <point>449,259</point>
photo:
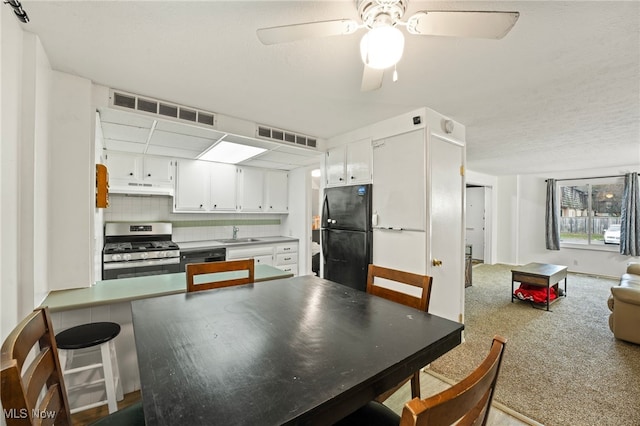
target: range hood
<point>141,189</point>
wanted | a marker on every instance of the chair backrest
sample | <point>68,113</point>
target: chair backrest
<point>225,274</point>
<point>467,402</point>
<point>20,392</point>
<point>421,281</point>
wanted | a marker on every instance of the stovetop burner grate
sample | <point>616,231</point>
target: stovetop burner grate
<point>137,246</point>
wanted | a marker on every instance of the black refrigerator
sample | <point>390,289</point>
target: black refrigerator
<point>347,237</point>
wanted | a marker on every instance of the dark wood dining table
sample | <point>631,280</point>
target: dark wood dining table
<point>301,350</point>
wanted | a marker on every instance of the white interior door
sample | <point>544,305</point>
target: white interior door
<point>475,219</point>
<point>446,220</point>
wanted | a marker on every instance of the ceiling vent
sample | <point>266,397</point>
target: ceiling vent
<point>161,109</point>
<point>280,135</point>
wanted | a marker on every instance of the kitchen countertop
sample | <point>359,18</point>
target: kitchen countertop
<point>192,245</point>
<point>128,289</point>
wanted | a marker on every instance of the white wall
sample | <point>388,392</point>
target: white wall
<point>297,223</point>
<point>10,84</point>
<point>521,225</point>
<point>71,182</point>
<point>47,176</point>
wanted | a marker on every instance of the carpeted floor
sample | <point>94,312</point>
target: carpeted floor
<point>562,367</point>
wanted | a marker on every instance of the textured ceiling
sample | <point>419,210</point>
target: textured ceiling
<point>561,91</point>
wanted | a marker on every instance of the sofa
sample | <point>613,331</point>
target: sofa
<point>624,303</point>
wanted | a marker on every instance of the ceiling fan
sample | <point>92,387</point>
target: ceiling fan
<point>382,46</point>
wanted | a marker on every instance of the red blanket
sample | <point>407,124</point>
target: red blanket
<point>534,293</point>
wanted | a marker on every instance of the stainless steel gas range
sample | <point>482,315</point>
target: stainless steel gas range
<point>138,249</point>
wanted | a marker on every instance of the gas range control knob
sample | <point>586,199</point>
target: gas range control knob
<point>116,257</point>
<point>126,257</point>
<point>144,255</point>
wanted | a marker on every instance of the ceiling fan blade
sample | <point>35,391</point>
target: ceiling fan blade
<point>462,23</point>
<point>371,79</point>
<point>287,33</point>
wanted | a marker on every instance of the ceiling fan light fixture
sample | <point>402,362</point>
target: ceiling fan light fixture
<point>382,47</point>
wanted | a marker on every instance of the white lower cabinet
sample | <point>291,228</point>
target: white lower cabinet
<point>287,257</point>
<point>283,256</point>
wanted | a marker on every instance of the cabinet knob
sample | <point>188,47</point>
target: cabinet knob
<point>149,175</point>
<point>215,205</point>
<point>200,205</point>
<point>131,174</point>
<point>353,177</point>
<point>340,179</point>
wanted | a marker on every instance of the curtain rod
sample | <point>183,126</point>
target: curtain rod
<point>594,177</point>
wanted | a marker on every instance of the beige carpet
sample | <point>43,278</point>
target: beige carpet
<point>562,367</point>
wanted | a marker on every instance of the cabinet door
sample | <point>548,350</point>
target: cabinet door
<point>223,187</point>
<point>124,166</point>
<point>359,162</point>
<point>276,191</point>
<point>335,166</point>
<point>251,189</point>
<point>192,185</point>
<point>263,260</point>
<point>157,169</point>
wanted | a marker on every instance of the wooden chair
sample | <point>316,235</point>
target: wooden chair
<point>42,375</point>
<point>421,303</point>
<point>466,403</point>
<point>195,269</point>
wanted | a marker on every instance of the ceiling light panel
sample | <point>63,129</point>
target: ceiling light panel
<point>229,152</point>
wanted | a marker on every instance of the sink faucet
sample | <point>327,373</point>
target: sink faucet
<point>235,232</point>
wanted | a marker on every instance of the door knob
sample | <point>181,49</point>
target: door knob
<point>436,262</point>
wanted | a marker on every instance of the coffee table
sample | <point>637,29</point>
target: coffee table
<point>541,275</point>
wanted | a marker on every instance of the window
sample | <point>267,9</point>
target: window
<point>590,210</point>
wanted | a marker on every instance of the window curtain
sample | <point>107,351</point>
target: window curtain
<point>552,223</point>
<point>630,229</point>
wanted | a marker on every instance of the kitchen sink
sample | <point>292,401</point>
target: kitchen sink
<point>238,240</point>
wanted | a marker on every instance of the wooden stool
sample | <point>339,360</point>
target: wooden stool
<point>86,336</point>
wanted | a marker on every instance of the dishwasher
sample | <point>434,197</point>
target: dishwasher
<point>202,256</point>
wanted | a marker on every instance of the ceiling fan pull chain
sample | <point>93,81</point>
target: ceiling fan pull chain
<point>395,73</point>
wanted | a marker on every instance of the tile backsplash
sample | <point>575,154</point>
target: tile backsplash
<point>190,226</point>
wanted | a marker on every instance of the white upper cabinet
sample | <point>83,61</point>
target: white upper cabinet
<point>203,186</point>
<point>123,166</point>
<point>250,189</point>
<point>192,185</point>
<point>276,189</point>
<point>157,169</point>
<point>223,187</point>
<point>335,166</point>
<point>137,173</point>
<point>349,164</point>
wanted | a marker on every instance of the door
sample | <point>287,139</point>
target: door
<point>158,169</point>
<point>192,185</point>
<point>276,191</point>
<point>347,207</point>
<point>223,186</point>
<point>475,218</point>
<point>399,181</point>
<point>358,162</point>
<point>251,191</point>
<point>446,218</point>
<point>347,256</point>
<point>335,166</point>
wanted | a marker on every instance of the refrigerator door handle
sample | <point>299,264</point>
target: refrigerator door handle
<point>325,212</point>
<point>324,244</point>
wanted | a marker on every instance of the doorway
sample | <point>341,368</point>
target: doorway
<point>479,219</point>
<point>475,222</point>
